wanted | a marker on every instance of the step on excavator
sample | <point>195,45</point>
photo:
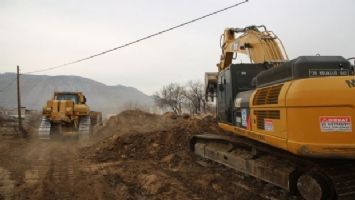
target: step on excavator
<point>287,122</point>
<point>67,114</point>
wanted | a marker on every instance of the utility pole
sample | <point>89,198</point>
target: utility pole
<point>19,102</point>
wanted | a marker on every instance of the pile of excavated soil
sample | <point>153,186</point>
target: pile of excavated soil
<point>146,156</point>
<point>140,135</point>
<point>152,137</point>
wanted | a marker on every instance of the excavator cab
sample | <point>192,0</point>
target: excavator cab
<point>231,81</point>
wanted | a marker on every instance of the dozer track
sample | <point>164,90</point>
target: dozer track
<point>311,178</point>
<point>84,126</point>
<point>44,129</point>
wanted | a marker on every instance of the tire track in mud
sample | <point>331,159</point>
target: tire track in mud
<point>7,185</point>
<point>52,175</point>
<point>36,169</point>
<point>59,180</point>
<point>9,159</point>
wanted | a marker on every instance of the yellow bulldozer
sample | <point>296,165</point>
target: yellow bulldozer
<point>68,114</point>
<point>290,121</point>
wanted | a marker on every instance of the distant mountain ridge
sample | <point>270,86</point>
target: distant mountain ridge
<point>37,89</point>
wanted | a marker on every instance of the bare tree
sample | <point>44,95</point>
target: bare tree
<point>171,96</point>
<point>194,95</point>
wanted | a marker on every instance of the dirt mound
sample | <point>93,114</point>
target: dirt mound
<point>135,120</point>
<point>147,157</point>
<point>165,137</point>
<point>128,121</point>
<point>140,135</point>
<point>151,154</point>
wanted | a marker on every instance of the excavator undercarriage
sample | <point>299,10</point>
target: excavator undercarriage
<point>311,178</point>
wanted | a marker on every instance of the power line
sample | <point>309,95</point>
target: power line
<point>139,40</point>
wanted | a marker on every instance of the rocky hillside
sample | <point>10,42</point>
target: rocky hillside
<point>36,89</point>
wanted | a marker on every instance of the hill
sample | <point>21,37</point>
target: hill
<point>37,89</point>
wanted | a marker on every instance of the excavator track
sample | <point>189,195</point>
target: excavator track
<point>342,176</point>
<point>310,178</point>
<point>44,129</point>
<point>84,126</point>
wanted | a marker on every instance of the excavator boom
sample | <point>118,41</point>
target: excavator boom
<point>258,43</point>
<point>261,45</point>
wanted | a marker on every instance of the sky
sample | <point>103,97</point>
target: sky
<point>38,34</point>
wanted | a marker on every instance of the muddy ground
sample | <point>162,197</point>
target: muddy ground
<point>136,155</point>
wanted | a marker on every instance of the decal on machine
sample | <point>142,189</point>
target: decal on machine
<point>238,119</point>
<point>350,83</point>
<point>335,123</point>
<point>268,125</point>
<point>244,117</point>
<point>328,72</point>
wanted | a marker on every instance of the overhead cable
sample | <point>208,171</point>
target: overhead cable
<point>138,40</point>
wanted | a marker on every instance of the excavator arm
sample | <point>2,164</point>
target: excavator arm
<point>259,44</point>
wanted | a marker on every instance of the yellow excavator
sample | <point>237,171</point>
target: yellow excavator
<point>67,113</point>
<point>290,122</point>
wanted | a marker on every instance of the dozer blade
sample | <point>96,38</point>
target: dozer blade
<point>84,126</point>
<point>44,129</point>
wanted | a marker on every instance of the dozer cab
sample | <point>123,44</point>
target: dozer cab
<point>67,114</point>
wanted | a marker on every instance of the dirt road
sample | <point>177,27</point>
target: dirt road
<point>48,170</point>
<point>135,156</point>
<point>38,170</point>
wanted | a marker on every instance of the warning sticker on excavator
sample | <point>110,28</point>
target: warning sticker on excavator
<point>244,114</point>
<point>268,125</point>
<point>335,124</point>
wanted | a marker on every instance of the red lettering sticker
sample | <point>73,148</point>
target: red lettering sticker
<point>335,123</point>
<point>268,125</point>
